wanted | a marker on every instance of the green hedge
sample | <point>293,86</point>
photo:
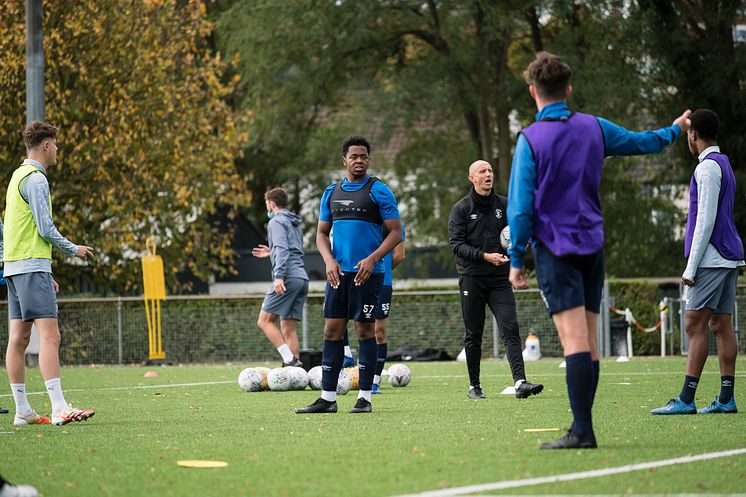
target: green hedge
<point>642,297</point>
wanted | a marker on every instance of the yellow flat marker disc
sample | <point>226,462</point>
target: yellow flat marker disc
<point>202,464</point>
<point>538,430</point>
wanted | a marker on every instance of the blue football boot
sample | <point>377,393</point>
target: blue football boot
<point>676,406</point>
<point>349,361</point>
<point>717,408</point>
<point>376,389</point>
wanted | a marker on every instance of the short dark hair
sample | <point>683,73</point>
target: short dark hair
<point>354,140</point>
<point>277,195</point>
<point>549,74</point>
<point>706,123</point>
<point>36,132</point>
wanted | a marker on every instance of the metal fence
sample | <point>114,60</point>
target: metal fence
<point>219,329</point>
<point>199,329</point>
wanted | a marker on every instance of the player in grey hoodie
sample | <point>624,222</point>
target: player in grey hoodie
<point>290,287</point>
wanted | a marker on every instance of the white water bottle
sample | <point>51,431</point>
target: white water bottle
<point>532,352</point>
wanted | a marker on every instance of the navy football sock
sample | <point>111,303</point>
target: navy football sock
<point>596,376</point>
<point>689,389</point>
<point>346,339</point>
<point>331,364</point>
<point>367,363</point>
<point>726,389</point>
<point>382,350</point>
<point>579,376</point>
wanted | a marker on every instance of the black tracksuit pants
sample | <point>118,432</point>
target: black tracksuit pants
<point>476,292</point>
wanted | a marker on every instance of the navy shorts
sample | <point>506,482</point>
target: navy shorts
<point>348,301</point>
<point>384,302</point>
<point>31,296</point>
<point>289,305</point>
<point>569,281</point>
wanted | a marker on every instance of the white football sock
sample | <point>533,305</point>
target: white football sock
<point>19,394</point>
<point>348,351</point>
<point>54,389</point>
<point>287,355</point>
<point>518,383</point>
<point>329,396</point>
<point>377,379</point>
<point>365,394</point>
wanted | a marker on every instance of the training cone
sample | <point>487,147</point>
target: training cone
<point>150,374</point>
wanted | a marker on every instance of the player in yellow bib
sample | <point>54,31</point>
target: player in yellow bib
<point>28,235</point>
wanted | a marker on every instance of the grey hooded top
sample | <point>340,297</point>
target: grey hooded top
<point>285,238</point>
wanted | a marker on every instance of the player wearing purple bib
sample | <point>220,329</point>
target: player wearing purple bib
<point>554,200</point>
<point>714,252</point>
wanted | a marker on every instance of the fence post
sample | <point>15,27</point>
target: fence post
<point>603,327</point>
<point>304,325</point>
<point>682,329</point>
<point>628,318</point>
<point>664,324</point>
<point>668,302</point>
<point>120,331</point>
<point>735,320</point>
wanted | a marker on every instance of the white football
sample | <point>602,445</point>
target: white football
<point>344,384</point>
<point>264,372</point>
<point>298,378</point>
<point>314,377</point>
<point>505,238</point>
<point>278,380</point>
<point>250,380</point>
<point>399,375</point>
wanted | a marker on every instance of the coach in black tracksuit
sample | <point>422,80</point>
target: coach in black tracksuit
<point>474,233</point>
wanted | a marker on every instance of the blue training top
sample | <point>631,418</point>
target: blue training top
<point>388,263</point>
<point>354,240</point>
<point>617,141</point>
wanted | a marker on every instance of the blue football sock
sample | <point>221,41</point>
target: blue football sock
<point>331,365</point>
<point>367,363</point>
<point>579,376</point>
<point>726,389</point>
<point>689,389</point>
<point>382,350</point>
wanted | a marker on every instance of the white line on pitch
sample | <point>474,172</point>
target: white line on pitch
<point>603,374</point>
<point>424,377</point>
<point>133,387</point>
<point>617,495</point>
<point>581,475</point>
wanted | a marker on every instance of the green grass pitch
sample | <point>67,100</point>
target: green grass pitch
<point>424,437</point>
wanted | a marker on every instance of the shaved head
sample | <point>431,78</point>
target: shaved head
<point>481,176</point>
<point>474,167</point>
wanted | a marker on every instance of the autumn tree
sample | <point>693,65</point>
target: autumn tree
<point>147,141</point>
<point>441,82</point>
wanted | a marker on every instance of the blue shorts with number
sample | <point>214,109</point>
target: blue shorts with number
<point>384,302</point>
<point>349,301</point>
